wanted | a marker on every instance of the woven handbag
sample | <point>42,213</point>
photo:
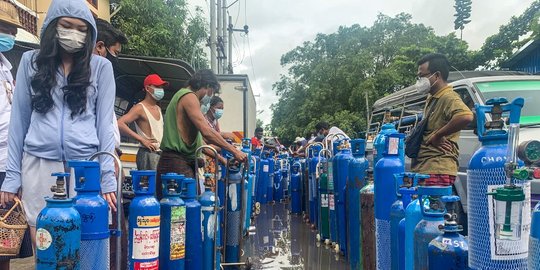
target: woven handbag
<point>12,228</point>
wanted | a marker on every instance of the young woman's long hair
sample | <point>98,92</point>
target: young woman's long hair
<point>47,63</point>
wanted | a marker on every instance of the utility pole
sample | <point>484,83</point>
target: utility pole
<point>213,42</point>
<point>230,68</point>
<point>224,35</point>
<point>219,38</point>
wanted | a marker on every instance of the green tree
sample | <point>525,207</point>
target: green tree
<point>463,13</point>
<point>500,47</point>
<point>330,77</point>
<point>259,123</point>
<point>162,28</point>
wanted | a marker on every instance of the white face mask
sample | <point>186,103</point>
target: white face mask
<point>71,40</point>
<point>206,100</point>
<point>423,86</point>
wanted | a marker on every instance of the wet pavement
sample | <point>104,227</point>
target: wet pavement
<point>284,241</point>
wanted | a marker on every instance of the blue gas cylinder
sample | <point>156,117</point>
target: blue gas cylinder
<point>58,231</point>
<point>413,215</point>
<point>355,182</point>
<point>534,239</point>
<point>270,183</point>
<point>397,213</point>
<point>247,205</point>
<point>432,217</point>
<point>406,198</point>
<point>332,213</point>
<point>380,141</point>
<point>485,173</point>
<point>306,193</point>
<point>385,195</point>
<point>233,212</point>
<point>313,184</point>
<point>285,176</point>
<point>278,178</point>
<point>144,222</point>
<point>264,175</point>
<point>194,258</point>
<point>342,159</point>
<point>296,186</point>
<point>249,195</point>
<point>173,224</point>
<point>211,254</point>
<point>94,213</point>
<point>450,250</point>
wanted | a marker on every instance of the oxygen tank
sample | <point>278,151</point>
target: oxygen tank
<point>58,230</point>
<point>324,224</point>
<point>247,206</point>
<point>296,186</point>
<point>94,213</point>
<point>433,217</point>
<point>306,192</point>
<point>355,182</point>
<point>264,176</point>
<point>211,253</point>
<point>380,141</point>
<point>144,222</point>
<point>450,250</point>
<point>233,211</point>
<point>331,195</point>
<point>385,195</point>
<point>313,184</point>
<point>413,215</point>
<point>342,160</point>
<point>486,173</point>
<point>270,183</point>
<point>278,179</point>
<point>397,213</point>
<point>172,251</point>
<point>406,198</point>
<point>367,202</point>
<point>194,251</point>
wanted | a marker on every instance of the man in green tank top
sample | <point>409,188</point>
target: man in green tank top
<point>185,127</point>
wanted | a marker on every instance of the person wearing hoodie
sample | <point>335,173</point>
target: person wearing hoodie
<point>9,22</point>
<point>62,109</point>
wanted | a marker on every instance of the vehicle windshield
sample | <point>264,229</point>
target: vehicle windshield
<point>527,89</point>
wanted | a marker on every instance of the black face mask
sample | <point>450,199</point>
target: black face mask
<point>114,62</point>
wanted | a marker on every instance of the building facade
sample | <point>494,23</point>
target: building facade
<point>33,12</point>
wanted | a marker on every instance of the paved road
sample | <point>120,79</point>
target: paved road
<point>284,241</point>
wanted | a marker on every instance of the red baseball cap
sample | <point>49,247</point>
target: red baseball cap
<point>154,79</point>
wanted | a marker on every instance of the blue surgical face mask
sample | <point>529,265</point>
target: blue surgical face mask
<point>205,108</point>
<point>6,42</point>
<point>158,94</point>
<point>206,100</point>
<point>218,113</point>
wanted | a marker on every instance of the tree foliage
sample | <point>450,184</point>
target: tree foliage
<point>463,13</point>
<point>330,77</point>
<point>162,28</point>
<point>500,47</point>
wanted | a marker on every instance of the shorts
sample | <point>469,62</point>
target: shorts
<point>146,159</point>
<point>26,245</point>
<point>440,180</point>
<point>37,182</point>
<point>173,162</point>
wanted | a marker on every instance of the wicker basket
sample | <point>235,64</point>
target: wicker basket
<point>12,228</point>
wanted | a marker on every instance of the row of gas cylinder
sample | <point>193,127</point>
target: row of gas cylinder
<point>387,218</point>
<point>182,231</point>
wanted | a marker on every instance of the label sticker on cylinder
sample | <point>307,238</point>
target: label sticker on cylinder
<point>148,221</point>
<point>178,232</point>
<point>266,168</point>
<point>145,243</point>
<point>393,146</point>
<point>506,249</point>
<point>43,239</point>
<point>324,200</point>
<point>153,265</point>
<point>331,202</point>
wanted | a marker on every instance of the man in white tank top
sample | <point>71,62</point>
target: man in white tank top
<point>148,123</point>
